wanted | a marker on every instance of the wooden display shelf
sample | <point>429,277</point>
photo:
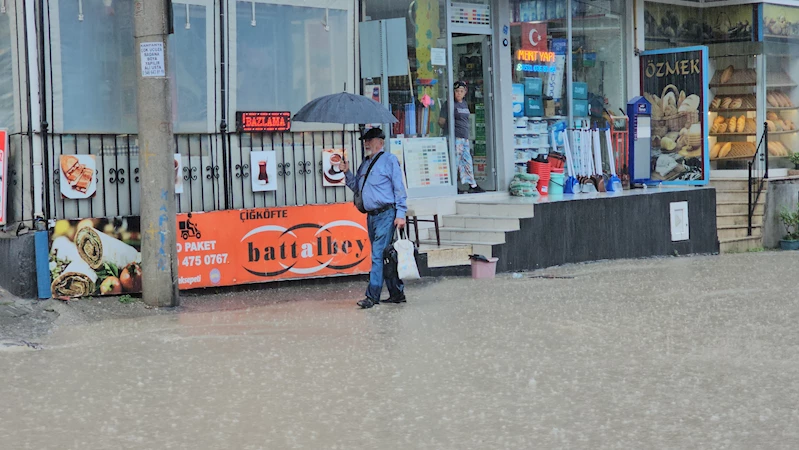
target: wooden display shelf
<point>740,150</point>
<point>720,110</point>
<point>735,134</point>
<point>725,85</point>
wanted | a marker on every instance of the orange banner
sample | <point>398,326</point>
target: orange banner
<point>225,248</point>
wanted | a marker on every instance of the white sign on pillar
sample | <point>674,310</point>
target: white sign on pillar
<point>152,59</point>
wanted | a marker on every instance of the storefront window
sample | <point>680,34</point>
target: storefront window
<point>188,68</point>
<point>7,116</point>
<point>97,84</point>
<point>287,56</point>
<point>416,98</point>
<point>96,89</point>
<point>599,60</point>
<point>782,78</point>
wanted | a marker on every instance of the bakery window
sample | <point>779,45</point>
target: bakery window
<point>781,39</point>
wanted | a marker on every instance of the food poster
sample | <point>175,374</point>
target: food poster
<point>332,175</point>
<point>263,166</point>
<point>675,82</point>
<point>178,174</point>
<point>95,257</point>
<point>668,25</point>
<point>78,176</point>
<point>222,248</point>
<point>780,21</point>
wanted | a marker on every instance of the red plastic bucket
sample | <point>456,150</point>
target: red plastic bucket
<point>543,172</point>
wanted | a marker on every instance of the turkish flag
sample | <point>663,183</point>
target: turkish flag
<point>534,36</point>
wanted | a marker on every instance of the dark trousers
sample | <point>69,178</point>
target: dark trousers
<point>381,235</point>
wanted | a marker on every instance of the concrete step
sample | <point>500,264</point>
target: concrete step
<point>519,210</point>
<point>738,245</point>
<point>447,255</point>
<point>723,220</point>
<point>732,184</point>
<point>737,196</point>
<point>736,231</point>
<point>478,249</point>
<point>472,235</point>
<point>482,222</point>
<point>737,208</point>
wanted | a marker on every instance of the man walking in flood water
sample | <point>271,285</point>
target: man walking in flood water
<point>379,180</point>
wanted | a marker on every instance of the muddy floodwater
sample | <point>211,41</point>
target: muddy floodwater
<point>675,353</point>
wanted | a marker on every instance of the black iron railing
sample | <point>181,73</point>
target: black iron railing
<point>213,176</point>
<point>758,176</point>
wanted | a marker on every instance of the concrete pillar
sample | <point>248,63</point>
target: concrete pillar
<point>156,154</point>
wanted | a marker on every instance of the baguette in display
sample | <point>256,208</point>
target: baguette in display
<point>715,103</point>
<point>96,248</point>
<point>732,125</point>
<point>714,152</point>
<point>725,150</point>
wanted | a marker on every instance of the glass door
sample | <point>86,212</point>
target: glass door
<point>471,60</point>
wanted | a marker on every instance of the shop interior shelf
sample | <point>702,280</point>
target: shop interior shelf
<point>790,108</point>
<point>782,85</point>
<point>733,110</point>
<point>783,132</point>
<point>732,134</point>
<point>731,85</point>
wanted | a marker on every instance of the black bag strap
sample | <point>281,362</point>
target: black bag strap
<point>372,164</point>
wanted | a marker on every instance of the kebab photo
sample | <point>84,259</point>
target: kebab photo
<point>78,176</point>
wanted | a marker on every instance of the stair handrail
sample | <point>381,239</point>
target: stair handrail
<point>758,176</point>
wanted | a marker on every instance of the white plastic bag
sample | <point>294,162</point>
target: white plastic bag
<point>406,263</point>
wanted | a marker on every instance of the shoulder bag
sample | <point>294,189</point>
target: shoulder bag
<point>358,197</point>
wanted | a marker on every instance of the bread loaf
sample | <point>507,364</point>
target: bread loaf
<point>736,103</point>
<point>725,103</point>
<point>725,150</point>
<point>714,153</point>
<point>772,100</point>
<point>715,103</point>
<point>771,126</point>
<point>727,74</point>
<point>732,125</point>
<point>772,116</point>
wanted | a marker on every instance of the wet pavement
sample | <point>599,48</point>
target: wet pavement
<point>699,352</point>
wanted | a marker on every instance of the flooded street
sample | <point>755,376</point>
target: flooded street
<point>699,352</point>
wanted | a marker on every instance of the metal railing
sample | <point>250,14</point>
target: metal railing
<point>758,176</point>
<point>214,177</point>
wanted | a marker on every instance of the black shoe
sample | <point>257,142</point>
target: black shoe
<point>476,190</point>
<point>396,299</point>
<point>368,303</point>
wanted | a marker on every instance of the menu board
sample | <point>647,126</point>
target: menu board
<point>426,162</point>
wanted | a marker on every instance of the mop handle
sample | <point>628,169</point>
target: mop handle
<point>611,159</point>
<point>567,149</point>
<point>597,152</point>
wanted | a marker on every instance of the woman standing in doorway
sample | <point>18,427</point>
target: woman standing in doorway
<point>462,143</point>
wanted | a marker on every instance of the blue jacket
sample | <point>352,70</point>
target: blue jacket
<point>384,185</point>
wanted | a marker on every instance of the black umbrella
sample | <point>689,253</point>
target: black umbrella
<point>344,108</point>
